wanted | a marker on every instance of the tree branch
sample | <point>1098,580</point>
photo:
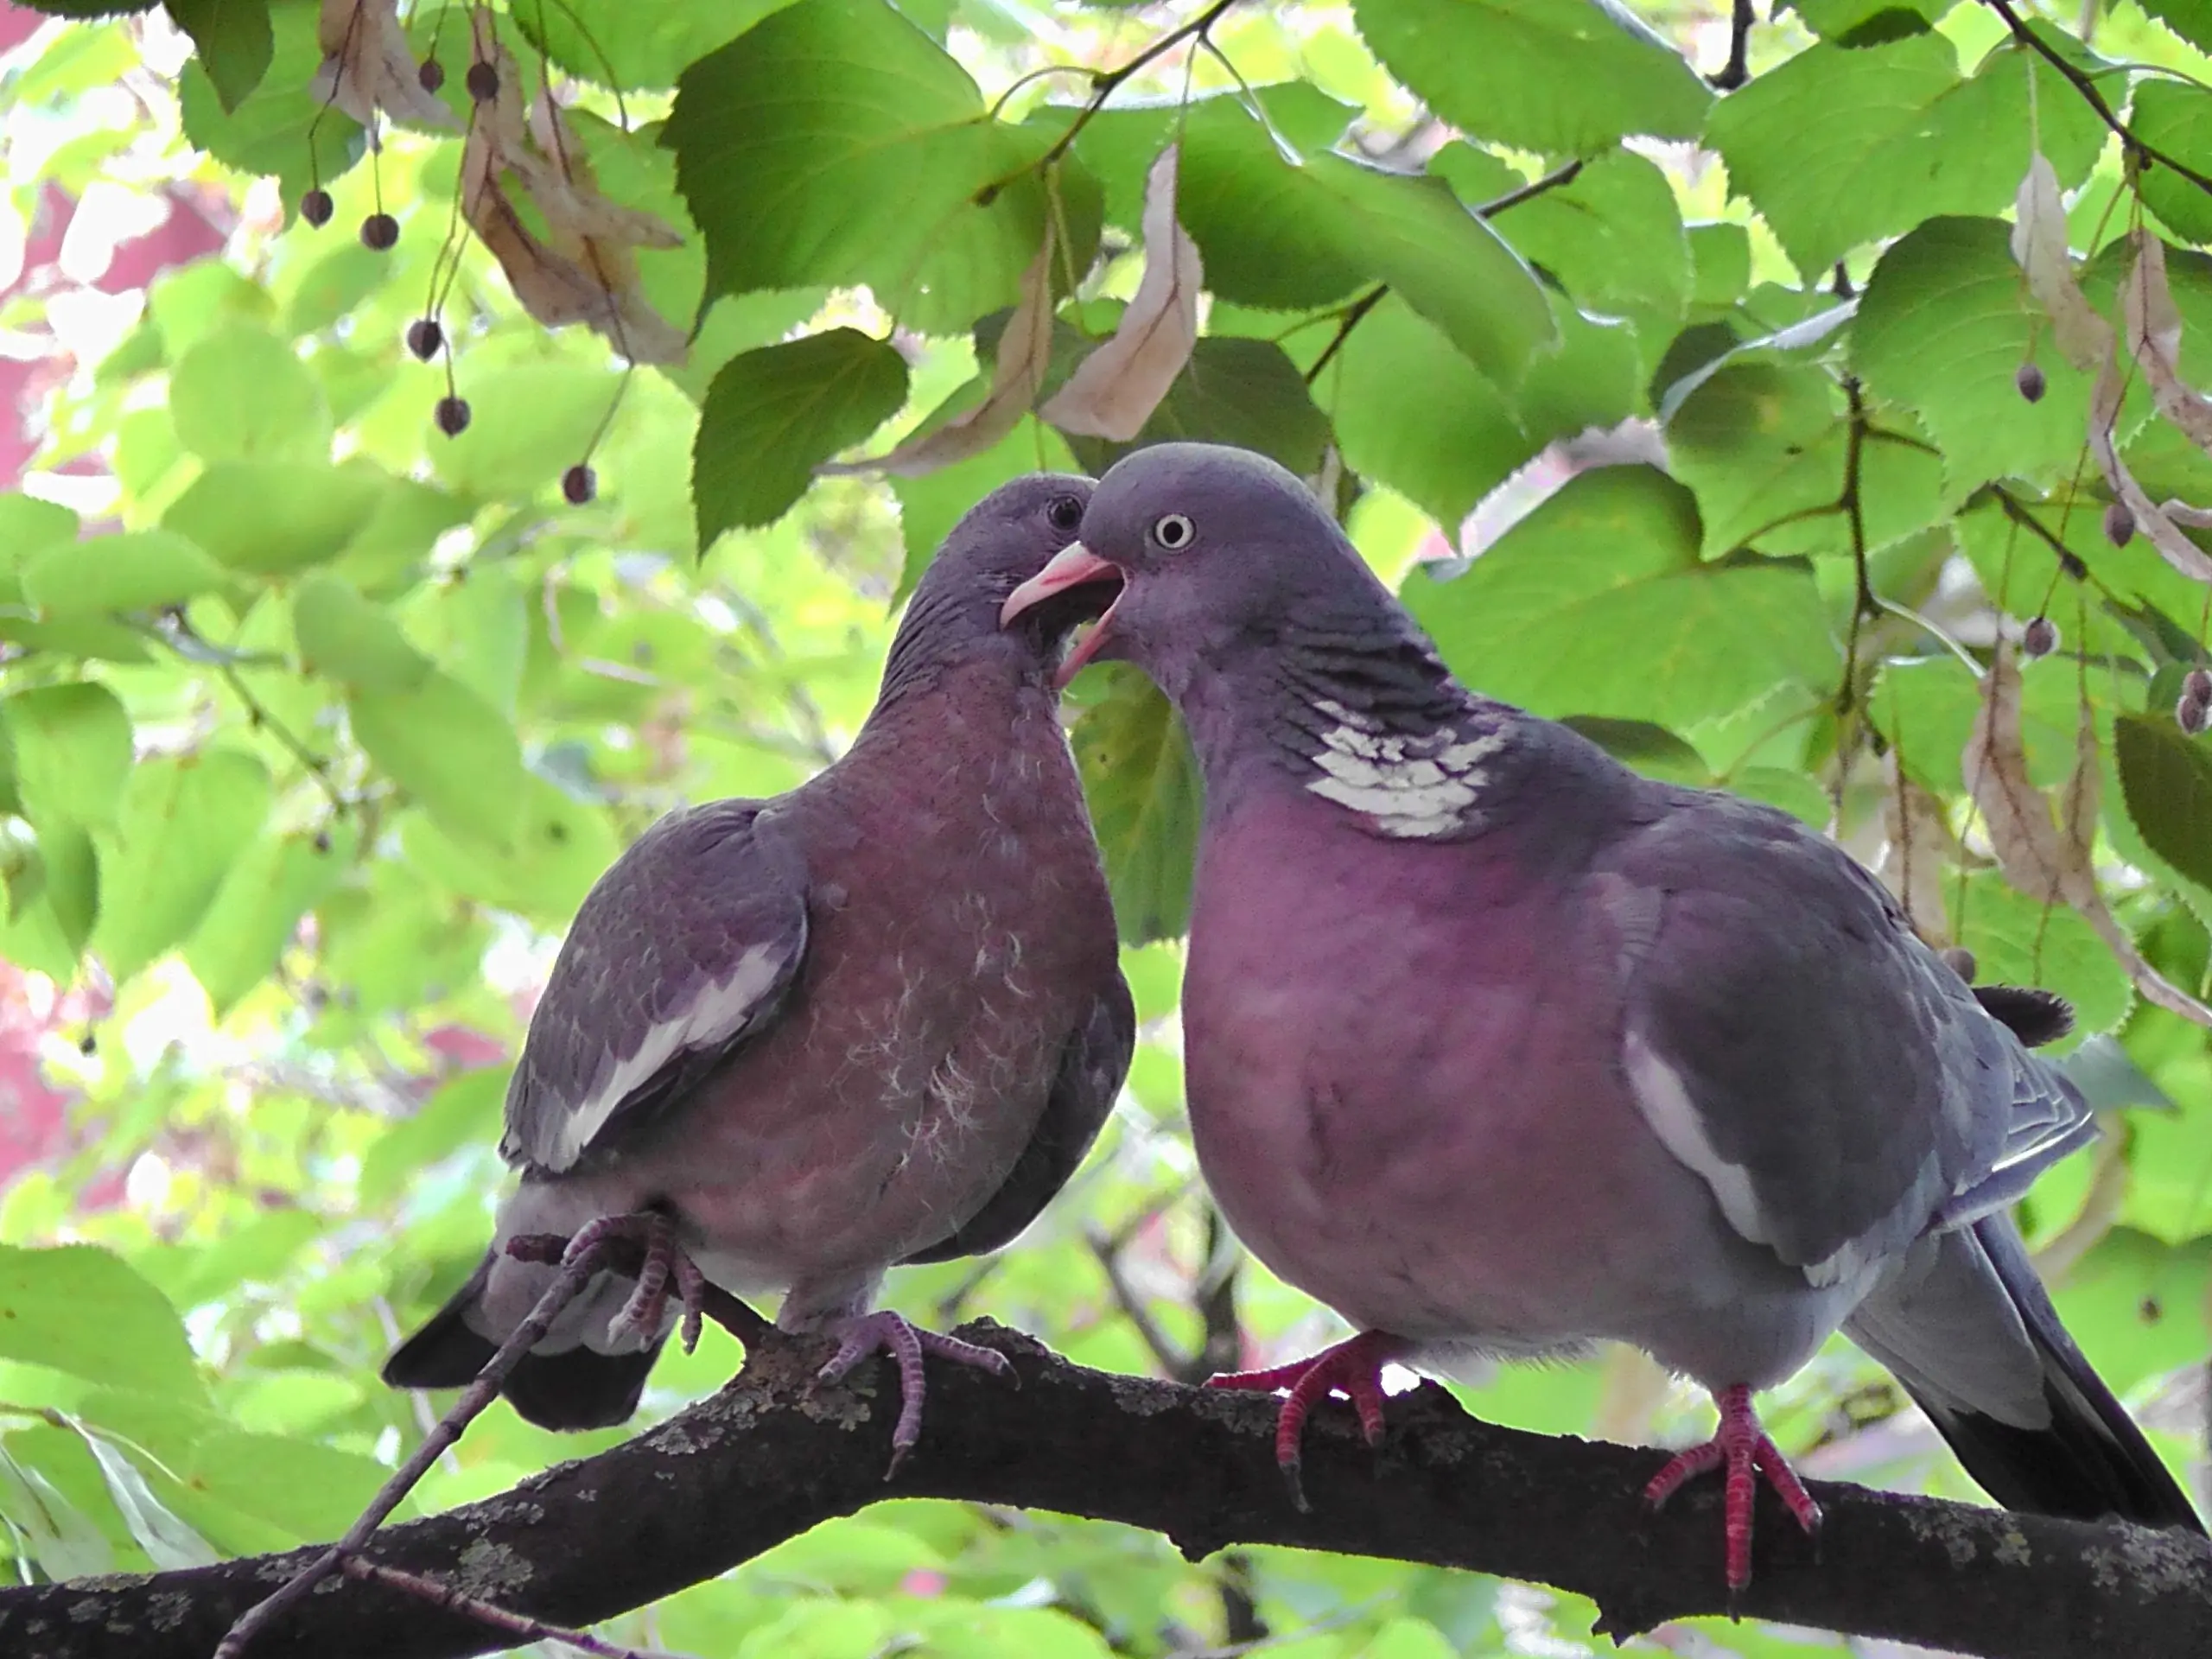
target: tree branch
<point>766,1460</point>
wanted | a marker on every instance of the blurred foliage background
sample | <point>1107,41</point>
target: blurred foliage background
<point>1696,414</point>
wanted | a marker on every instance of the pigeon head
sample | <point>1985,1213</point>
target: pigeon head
<point>1215,551</point>
<point>1005,540</point>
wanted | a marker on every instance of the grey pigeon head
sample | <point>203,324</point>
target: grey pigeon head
<point>1217,550</point>
<point>1002,542</point>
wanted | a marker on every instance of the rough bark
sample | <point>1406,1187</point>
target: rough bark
<point>763,1461</point>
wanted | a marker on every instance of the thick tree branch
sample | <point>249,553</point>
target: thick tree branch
<point>764,1460</point>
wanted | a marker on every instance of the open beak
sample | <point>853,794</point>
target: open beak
<point>1072,566</point>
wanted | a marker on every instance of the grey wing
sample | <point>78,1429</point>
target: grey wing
<point>1788,1036</point>
<point>1093,1066</point>
<point>683,952</point>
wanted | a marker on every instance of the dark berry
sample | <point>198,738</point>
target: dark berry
<point>579,484</point>
<point>452,416</point>
<point>2030,382</point>
<point>2040,636</point>
<point>379,231</point>
<point>431,74</point>
<point>2198,684</point>
<point>316,208</point>
<point>483,82</point>
<point>2193,715</point>
<point>322,840</point>
<point>424,338</point>
<point>2119,524</point>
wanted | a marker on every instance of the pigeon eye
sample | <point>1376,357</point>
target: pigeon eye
<point>1066,512</point>
<point>1173,532</point>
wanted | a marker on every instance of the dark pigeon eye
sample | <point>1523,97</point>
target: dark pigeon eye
<point>1066,512</point>
<point>1173,532</point>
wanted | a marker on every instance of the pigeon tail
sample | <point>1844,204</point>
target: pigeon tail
<point>2091,1461</point>
<point>573,1389</point>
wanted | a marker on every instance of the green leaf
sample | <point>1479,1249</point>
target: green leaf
<point>2190,19</point>
<point>47,928</point>
<point>1559,77</point>
<point>1759,441</point>
<point>1613,239</point>
<point>279,127</point>
<point>72,752</point>
<point>26,525</point>
<point>772,415</point>
<point>79,1309</point>
<point>1143,786</point>
<point>1437,257</point>
<point>855,137</point>
<point>2167,778</point>
<point>274,518</point>
<point>1596,604</point>
<point>464,1112</point>
<point>2176,117</point>
<point>449,748</point>
<point>137,571</point>
<point>1444,449</point>
<point>183,822</point>
<point>234,40</point>
<point>1943,329</point>
<point>242,394</point>
<point>1233,390</point>
<point>2016,941</point>
<point>343,638</point>
<point>255,911</point>
<point>617,44</point>
<point>1902,138</point>
<point>560,846</point>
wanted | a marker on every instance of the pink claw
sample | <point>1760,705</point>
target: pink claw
<point>1744,1450</point>
<point>861,1335</point>
<point>1353,1368</point>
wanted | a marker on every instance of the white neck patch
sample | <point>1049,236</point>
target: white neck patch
<point>1411,787</point>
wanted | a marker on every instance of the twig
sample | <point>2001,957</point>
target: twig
<point>2142,152</point>
<point>587,1254</point>
<point>1738,69</point>
<point>1350,320</point>
<point>1528,192</point>
<point>1104,83</point>
<point>518,1625</point>
<point>1173,1362</point>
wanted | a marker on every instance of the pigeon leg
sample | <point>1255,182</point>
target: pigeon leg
<point>859,1335</point>
<point>1353,1368</point>
<point>1742,1448</point>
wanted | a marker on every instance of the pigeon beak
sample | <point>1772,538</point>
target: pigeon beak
<point>1072,566</point>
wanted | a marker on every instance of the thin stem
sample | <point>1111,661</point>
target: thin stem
<point>1528,192</point>
<point>518,1625</point>
<point>2140,150</point>
<point>1104,83</point>
<point>1350,320</point>
<point>1738,69</point>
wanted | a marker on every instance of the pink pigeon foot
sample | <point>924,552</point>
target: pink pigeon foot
<point>1352,1368</point>
<point>660,1259</point>
<point>1743,1449</point>
<point>859,1335</point>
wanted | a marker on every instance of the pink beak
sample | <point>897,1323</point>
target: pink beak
<point>1072,566</point>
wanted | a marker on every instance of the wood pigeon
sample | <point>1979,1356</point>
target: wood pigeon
<point>876,1020</point>
<point>1496,1047</point>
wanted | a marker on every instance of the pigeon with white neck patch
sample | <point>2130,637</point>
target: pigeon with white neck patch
<point>1496,1047</point>
<point>876,1020</point>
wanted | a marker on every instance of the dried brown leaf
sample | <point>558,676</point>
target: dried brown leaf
<point>1025,353</point>
<point>1114,390</point>
<point>368,64</point>
<point>2045,857</point>
<point>2150,519</point>
<point>2152,326</point>
<point>2039,246</point>
<point>584,269</point>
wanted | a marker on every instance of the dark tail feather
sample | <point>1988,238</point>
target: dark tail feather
<point>2092,1461</point>
<point>576,1389</point>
